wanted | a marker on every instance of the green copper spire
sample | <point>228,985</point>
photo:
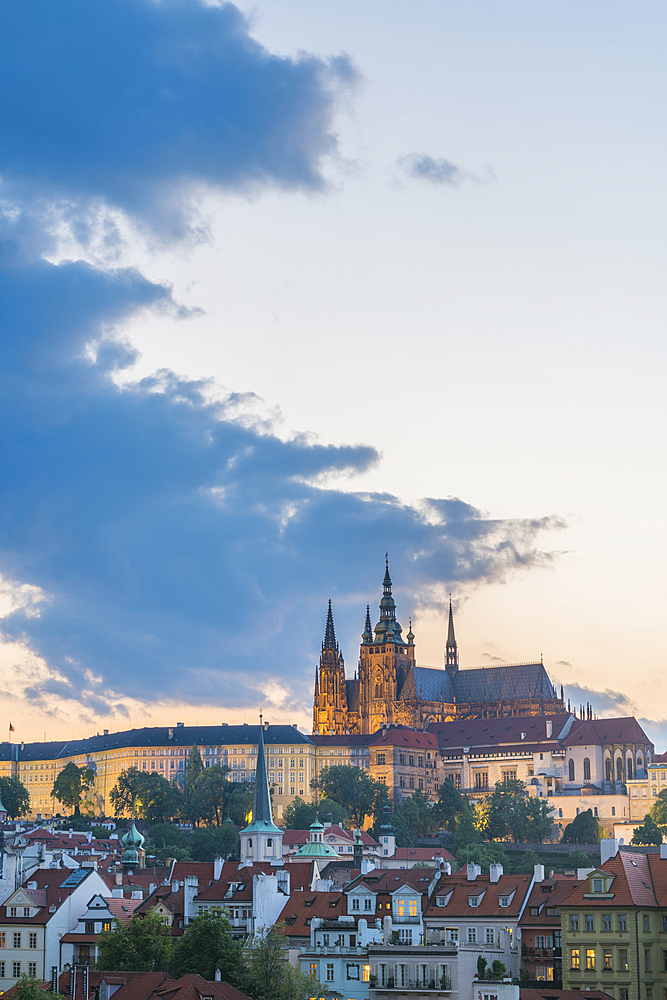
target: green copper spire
<point>262,813</point>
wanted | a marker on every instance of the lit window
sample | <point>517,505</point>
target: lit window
<point>574,958</point>
<point>590,959</point>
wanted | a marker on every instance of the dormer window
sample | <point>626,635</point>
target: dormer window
<point>504,901</point>
<point>474,901</point>
<point>598,885</point>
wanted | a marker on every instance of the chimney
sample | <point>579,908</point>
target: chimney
<point>663,852</point>
<point>218,976</point>
<point>266,725</point>
<point>106,732</point>
<point>549,728</point>
<point>118,878</point>
<point>191,884</point>
<point>217,868</point>
<point>472,871</point>
<point>175,886</point>
<point>495,871</point>
<point>608,849</point>
<point>538,871</point>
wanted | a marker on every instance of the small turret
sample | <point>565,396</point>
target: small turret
<point>329,641</point>
<point>367,634</point>
<point>358,849</point>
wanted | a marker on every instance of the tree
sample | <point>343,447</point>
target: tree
<point>466,832</point>
<point>207,945</point>
<point>145,794</point>
<point>29,988</point>
<point>70,785</point>
<point>450,803</point>
<point>299,815</point>
<point>526,862</point>
<point>540,819</point>
<point>584,829</point>
<point>498,969</point>
<point>211,791</point>
<point>215,842</point>
<point>508,811</point>
<point>481,967</point>
<point>125,792</point>
<point>484,855</point>
<point>187,780</point>
<point>15,796</point>
<point>658,810</point>
<point>270,976</point>
<point>142,945</point>
<point>579,859</point>
<point>351,787</point>
<point>648,833</point>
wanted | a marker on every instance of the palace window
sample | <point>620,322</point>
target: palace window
<point>587,769</point>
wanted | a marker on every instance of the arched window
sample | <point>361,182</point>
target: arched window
<point>607,769</point>
<point>587,769</point>
<point>629,768</point>
<point>640,762</point>
<point>571,769</point>
<point>613,810</point>
<point>560,814</point>
<point>619,769</point>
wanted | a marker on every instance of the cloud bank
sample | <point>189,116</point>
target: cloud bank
<point>171,544</point>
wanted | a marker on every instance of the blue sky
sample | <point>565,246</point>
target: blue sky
<point>275,274</point>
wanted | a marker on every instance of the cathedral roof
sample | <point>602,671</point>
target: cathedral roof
<point>503,682</point>
<point>431,684</point>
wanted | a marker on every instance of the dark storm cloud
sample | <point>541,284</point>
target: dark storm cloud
<point>131,100</point>
<point>175,543</point>
<point>182,550</point>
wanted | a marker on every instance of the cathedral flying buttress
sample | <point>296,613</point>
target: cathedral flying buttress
<point>391,689</point>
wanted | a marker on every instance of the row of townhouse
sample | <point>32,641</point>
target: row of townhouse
<point>578,764</point>
<point>614,926</point>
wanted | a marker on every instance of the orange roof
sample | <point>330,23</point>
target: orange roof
<point>422,854</point>
<point>301,907</point>
<point>194,987</point>
<point>122,909</point>
<point>456,890</point>
<point>547,895</point>
<point>634,878</point>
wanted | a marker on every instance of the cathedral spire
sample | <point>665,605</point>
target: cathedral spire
<point>329,632</point>
<point>367,634</point>
<point>451,650</point>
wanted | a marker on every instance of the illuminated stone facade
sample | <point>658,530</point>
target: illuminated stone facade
<point>391,689</point>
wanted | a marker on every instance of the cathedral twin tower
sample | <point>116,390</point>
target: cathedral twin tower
<point>391,689</point>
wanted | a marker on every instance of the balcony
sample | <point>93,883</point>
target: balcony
<point>406,920</point>
<point>411,985</point>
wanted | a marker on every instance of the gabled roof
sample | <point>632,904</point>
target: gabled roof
<point>598,732</point>
<point>547,895</point>
<point>505,730</point>
<point>404,736</point>
<point>122,909</point>
<point>457,890</point>
<point>635,876</point>
<point>388,880</point>
<point>54,886</point>
<point>193,987</point>
<point>301,907</point>
<point>233,873</point>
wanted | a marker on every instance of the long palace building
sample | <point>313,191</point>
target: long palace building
<point>391,689</point>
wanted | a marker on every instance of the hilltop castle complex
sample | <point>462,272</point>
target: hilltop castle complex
<point>391,689</point>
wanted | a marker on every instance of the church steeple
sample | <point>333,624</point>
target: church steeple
<point>388,629</point>
<point>330,702</point>
<point>329,631</point>
<point>367,634</point>
<point>451,650</point>
<point>261,840</point>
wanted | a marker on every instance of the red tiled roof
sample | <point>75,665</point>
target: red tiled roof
<point>344,740</point>
<point>79,938</point>
<point>547,895</point>
<point>600,731</point>
<point>301,907</point>
<point>634,877</point>
<point>194,987</point>
<point>514,886</point>
<point>500,731</point>
<point>398,736</point>
<point>122,909</point>
<point>49,890</point>
<point>422,854</point>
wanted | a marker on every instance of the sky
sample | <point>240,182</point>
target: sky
<point>286,286</point>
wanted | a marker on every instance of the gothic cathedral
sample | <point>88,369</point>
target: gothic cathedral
<point>391,689</point>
